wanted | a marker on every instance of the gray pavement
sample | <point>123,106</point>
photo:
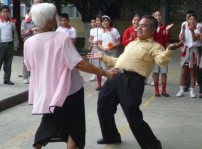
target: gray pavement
<point>13,94</point>
<point>177,122</point>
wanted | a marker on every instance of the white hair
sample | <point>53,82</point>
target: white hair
<point>42,13</point>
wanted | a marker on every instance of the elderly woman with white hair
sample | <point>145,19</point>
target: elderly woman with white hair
<point>56,86</point>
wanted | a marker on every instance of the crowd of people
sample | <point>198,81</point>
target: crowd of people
<point>51,50</point>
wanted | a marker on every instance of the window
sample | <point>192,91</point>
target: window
<point>71,11</point>
<point>22,10</point>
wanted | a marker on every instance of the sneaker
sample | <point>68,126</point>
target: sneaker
<point>93,78</point>
<point>192,95</point>
<point>152,84</point>
<point>180,93</point>
<point>26,81</point>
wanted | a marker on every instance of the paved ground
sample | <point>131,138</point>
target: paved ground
<point>177,122</point>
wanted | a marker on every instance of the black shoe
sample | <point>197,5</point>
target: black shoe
<point>102,141</point>
<point>157,95</point>
<point>98,88</point>
<point>156,146</point>
<point>165,94</point>
<point>8,82</point>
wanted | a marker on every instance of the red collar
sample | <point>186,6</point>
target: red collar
<point>9,20</point>
<point>104,30</point>
<point>68,26</point>
<point>28,20</point>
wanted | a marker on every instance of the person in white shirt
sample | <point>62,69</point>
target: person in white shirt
<point>187,76</point>
<point>109,39</point>
<point>66,28</point>
<point>93,39</point>
<point>7,35</point>
<point>189,53</point>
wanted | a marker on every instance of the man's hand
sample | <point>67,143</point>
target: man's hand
<point>97,55</point>
<point>175,46</point>
<point>112,73</point>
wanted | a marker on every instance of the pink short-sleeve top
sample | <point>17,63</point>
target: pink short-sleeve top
<point>51,58</point>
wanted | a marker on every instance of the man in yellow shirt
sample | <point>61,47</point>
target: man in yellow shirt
<point>135,64</point>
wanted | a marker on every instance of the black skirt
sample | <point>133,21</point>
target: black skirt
<point>68,120</point>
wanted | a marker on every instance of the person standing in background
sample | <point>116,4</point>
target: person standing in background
<point>37,2</point>
<point>27,30</point>
<point>189,54</point>
<point>162,36</point>
<point>8,35</point>
<point>187,73</point>
<point>93,25</point>
<point>34,3</point>
<point>130,33</point>
<point>109,38</point>
<point>93,39</point>
<point>66,28</point>
<point>199,68</point>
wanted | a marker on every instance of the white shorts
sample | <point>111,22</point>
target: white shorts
<point>158,69</point>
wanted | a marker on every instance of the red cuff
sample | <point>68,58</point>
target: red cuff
<point>30,31</point>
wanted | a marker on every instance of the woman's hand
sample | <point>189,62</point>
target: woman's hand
<point>112,73</point>
<point>168,27</point>
<point>97,55</point>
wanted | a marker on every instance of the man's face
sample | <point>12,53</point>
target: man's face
<point>144,29</point>
<point>37,1</point>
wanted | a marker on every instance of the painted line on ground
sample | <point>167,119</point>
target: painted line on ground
<point>125,129</point>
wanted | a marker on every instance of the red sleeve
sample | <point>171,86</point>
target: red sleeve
<point>126,36</point>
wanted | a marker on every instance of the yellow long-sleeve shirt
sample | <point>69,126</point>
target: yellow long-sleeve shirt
<point>140,56</point>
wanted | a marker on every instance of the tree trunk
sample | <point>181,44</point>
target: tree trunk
<point>86,35</point>
<point>16,15</point>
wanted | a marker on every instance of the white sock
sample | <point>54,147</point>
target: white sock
<point>182,88</point>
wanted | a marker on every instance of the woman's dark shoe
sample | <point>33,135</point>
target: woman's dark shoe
<point>113,141</point>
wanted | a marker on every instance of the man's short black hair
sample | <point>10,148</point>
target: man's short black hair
<point>64,15</point>
<point>154,22</point>
<point>5,7</point>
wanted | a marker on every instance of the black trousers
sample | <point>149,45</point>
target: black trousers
<point>126,89</point>
<point>199,72</point>
<point>66,120</point>
<point>6,58</point>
